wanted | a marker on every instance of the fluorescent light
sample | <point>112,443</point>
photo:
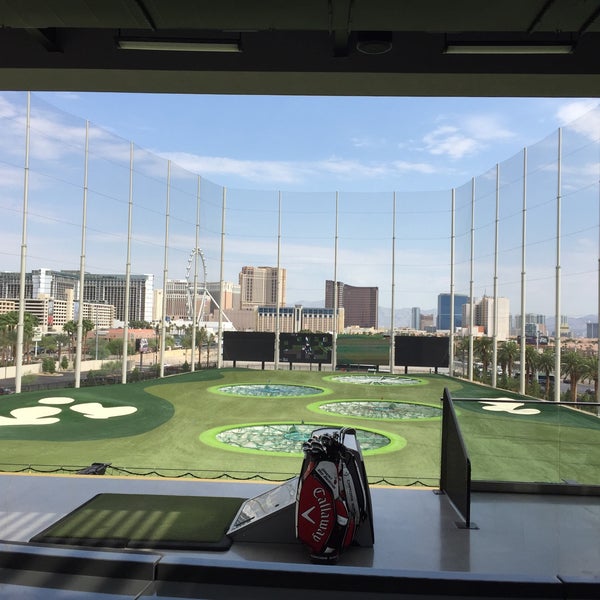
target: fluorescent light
<point>498,48</point>
<point>177,45</point>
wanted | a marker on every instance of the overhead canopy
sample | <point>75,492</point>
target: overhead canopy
<point>328,47</point>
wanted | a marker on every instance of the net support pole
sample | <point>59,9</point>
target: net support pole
<point>452,258</point>
<point>82,259</point>
<point>392,321</point>
<point>523,374</point>
<point>21,318</point>
<point>221,275</point>
<point>557,284</point>
<point>128,271</point>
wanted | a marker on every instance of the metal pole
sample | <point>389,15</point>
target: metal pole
<point>82,259</point>
<point>128,273</point>
<point>598,312</point>
<point>163,315</point>
<point>335,286</point>
<point>194,295</point>
<point>452,249</point>
<point>471,282</point>
<point>21,321</point>
<point>495,315</point>
<point>523,358</point>
<point>221,275</point>
<point>278,304</point>
<point>557,322</point>
<point>392,341</point>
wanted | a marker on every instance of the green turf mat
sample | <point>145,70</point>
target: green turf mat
<point>146,521</point>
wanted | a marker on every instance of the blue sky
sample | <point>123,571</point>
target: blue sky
<point>309,148</point>
<point>327,143</point>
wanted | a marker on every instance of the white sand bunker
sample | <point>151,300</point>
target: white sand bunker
<point>45,415</point>
<point>95,410</point>
<point>57,400</point>
<point>32,415</point>
<point>513,408</point>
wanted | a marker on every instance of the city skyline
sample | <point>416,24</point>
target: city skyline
<point>308,220</point>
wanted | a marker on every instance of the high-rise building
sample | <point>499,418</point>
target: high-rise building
<point>110,289</point>
<point>230,299</point>
<point>177,298</point>
<point>443,311</point>
<point>208,299</point>
<point>360,304</point>
<point>262,286</point>
<point>415,318</point>
<point>299,318</point>
<point>484,316</point>
<point>40,283</point>
<point>98,289</point>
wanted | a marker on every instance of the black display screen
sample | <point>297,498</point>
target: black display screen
<point>305,347</point>
<point>418,351</point>
<point>256,346</point>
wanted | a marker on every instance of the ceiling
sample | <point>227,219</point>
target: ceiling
<point>323,47</point>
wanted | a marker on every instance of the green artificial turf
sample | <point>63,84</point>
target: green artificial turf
<point>150,521</point>
<point>556,445</point>
<point>165,435</point>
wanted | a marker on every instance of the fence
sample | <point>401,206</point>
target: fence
<point>79,198</point>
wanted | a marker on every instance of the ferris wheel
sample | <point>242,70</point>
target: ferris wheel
<point>200,285</point>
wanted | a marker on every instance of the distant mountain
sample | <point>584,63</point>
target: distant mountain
<point>401,315</point>
<point>577,325</point>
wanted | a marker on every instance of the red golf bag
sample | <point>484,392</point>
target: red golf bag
<point>333,504</point>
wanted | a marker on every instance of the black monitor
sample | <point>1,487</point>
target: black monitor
<point>305,347</point>
<point>258,346</point>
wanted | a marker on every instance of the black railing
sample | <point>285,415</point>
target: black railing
<point>455,467</point>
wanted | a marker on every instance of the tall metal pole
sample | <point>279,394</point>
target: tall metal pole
<point>128,271</point>
<point>278,304</point>
<point>452,258</point>
<point>82,258</point>
<point>392,341</point>
<point>221,277</point>
<point>495,316</point>
<point>471,282</point>
<point>335,287</point>
<point>194,295</point>
<point>163,314</point>
<point>557,324</point>
<point>523,358</point>
<point>21,321</point>
<point>598,311</point>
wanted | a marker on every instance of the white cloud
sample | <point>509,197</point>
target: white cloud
<point>367,142</point>
<point>574,110</point>
<point>287,172</point>
<point>448,140</point>
<point>469,136</point>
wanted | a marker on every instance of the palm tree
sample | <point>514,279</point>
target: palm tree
<point>8,325</point>
<point>545,363</point>
<point>532,358</point>
<point>462,350</point>
<point>573,366</point>
<point>201,338</point>
<point>591,371</point>
<point>62,339</point>
<point>70,328</point>
<point>482,348</point>
<point>210,340</point>
<point>509,353</point>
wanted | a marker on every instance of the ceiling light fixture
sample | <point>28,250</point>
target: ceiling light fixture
<point>377,42</point>
<point>175,45</point>
<point>508,48</point>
